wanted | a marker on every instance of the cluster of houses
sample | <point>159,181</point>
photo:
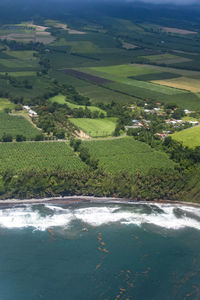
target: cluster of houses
<point>31,112</point>
<point>178,122</point>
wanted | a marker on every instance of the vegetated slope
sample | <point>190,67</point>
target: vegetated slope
<point>191,191</point>
<point>127,154</point>
<point>38,155</point>
<point>189,137</point>
<point>14,125</point>
<point>96,127</point>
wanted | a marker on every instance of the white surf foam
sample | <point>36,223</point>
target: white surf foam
<point>162,215</point>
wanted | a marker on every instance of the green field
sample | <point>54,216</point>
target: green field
<point>5,103</point>
<point>127,154</point>
<point>125,70</point>
<point>189,137</point>
<point>23,55</point>
<point>122,74</point>
<point>20,74</point>
<point>62,100</point>
<point>14,125</point>
<point>166,59</point>
<point>38,155</point>
<point>84,47</point>
<point>96,127</point>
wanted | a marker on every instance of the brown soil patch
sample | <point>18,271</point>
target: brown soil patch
<point>128,46</point>
<point>178,31</point>
<point>91,78</point>
<point>72,31</point>
<point>81,134</point>
<point>183,83</point>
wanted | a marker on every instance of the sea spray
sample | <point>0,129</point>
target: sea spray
<point>44,216</point>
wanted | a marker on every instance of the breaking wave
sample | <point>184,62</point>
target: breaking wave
<point>42,217</point>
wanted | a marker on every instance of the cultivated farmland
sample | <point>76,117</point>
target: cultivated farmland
<point>127,154</point>
<point>88,77</point>
<point>96,127</point>
<point>184,83</point>
<point>14,125</point>
<point>38,155</point>
<point>166,59</point>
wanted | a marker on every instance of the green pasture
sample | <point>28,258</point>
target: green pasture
<point>127,154</point>
<point>38,155</point>
<point>20,74</point>
<point>18,63</point>
<point>125,70</point>
<point>96,127</point>
<point>83,47</point>
<point>121,78</point>
<point>97,94</point>
<point>23,55</point>
<point>5,103</point>
<point>14,125</point>
<point>189,137</point>
<point>61,99</point>
<point>166,58</point>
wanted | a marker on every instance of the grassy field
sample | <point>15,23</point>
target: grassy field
<point>120,76</point>
<point>127,154</point>
<point>184,83</point>
<point>83,47</point>
<point>61,99</point>
<point>5,103</point>
<point>20,73</point>
<point>166,59</point>
<point>125,70</point>
<point>189,137</point>
<point>23,55</point>
<point>96,127</point>
<point>38,155</point>
<point>97,94</point>
<point>14,125</point>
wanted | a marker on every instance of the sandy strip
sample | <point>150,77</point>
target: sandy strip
<point>89,199</point>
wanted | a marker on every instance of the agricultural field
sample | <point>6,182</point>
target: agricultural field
<point>177,30</point>
<point>83,47</point>
<point>125,70</point>
<point>20,74</point>
<point>120,76</point>
<point>14,125</point>
<point>97,94</point>
<point>38,155</point>
<point>166,59</point>
<point>96,127</point>
<point>5,103</point>
<point>26,32</point>
<point>88,77</point>
<point>127,154</point>
<point>189,137</point>
<point>185,83</point>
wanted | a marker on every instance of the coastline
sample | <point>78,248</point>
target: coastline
<point>88,199</point>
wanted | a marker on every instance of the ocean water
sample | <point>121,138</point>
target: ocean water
<point>100,251</point>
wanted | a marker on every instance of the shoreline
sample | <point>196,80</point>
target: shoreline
<point>89,199</point>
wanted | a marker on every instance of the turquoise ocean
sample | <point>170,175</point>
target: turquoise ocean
<point>90,251</point>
